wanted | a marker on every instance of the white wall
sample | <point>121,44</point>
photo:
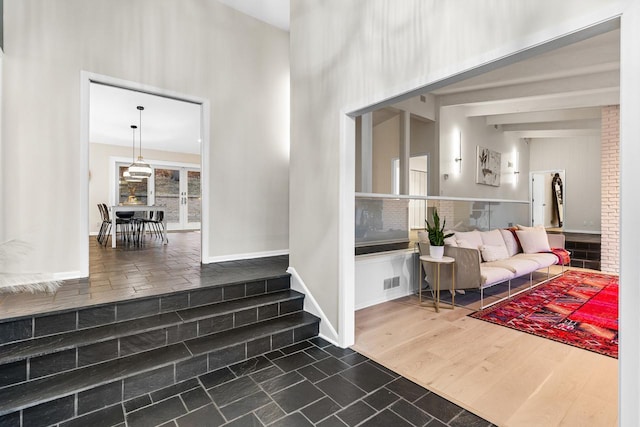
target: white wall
<point>100,169</point>
<point>372,270</point>
<point>475,132</point>
<point>199,48</point>
<point>580,159</point>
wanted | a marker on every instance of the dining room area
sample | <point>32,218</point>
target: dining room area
<point>145,167</point>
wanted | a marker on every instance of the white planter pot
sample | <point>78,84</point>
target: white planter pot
<point>436,251</point>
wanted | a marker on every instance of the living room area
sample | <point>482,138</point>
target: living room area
<point>556,112</point>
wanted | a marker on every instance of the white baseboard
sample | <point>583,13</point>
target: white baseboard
<point>236,257</point>
<point>386,298</point>
<point>68,275</point>
<point>327,332</point>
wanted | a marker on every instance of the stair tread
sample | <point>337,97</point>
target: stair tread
<point>23,395</point>
<point>246,333</point>
<point>50,344</point>
<point>19,396</point>
<point>234,305</point>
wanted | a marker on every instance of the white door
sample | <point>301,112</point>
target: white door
<point>538,204</point>
<point>178,188</point>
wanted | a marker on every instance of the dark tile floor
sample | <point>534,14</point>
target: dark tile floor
<point>129,272</point>
<point>312,383</point>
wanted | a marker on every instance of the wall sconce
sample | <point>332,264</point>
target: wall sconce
<point>516,171</point>
<point>458,159</point>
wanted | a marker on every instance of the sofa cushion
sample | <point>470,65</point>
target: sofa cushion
<point>472,239</point>
<point>493,275</point>
<point>510,242</point>
<point>542,259</point>
<point>517,265</point>
<point>533,240</point>
<point>493,252</point>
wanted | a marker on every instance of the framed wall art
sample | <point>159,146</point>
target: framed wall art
<point>488,166</point>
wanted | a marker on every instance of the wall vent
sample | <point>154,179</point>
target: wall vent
<point>392,282</point>
<point>423,98</point>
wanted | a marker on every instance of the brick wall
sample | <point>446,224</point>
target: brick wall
<point>610,198</point>
<point>395,214</point>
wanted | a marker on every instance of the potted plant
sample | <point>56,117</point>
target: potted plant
<point>436,236</point>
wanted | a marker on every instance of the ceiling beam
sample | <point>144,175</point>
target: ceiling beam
<point>569,124</point>
<point>557,101</point>
<point>607,79</point>
<point>545,116</point>
<point>557,133</point>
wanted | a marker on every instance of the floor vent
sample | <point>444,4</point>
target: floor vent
<point>392,282</point>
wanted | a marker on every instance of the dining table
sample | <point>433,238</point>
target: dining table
<point>136,208</point>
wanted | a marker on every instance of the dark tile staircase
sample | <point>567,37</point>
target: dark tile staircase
<point>58,367</point>
<point>585,250</point>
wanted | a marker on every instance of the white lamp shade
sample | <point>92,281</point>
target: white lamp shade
<point>140,169</point>
<point>128,178</point>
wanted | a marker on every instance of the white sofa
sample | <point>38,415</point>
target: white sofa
<point>486,258</point>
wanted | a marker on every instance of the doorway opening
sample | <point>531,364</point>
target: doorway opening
<point>547,197</point>
<point>174,141</point>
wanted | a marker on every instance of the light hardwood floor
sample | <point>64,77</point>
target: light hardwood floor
<point>508,377</point>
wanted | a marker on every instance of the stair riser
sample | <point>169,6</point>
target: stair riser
<point>19,329</point>
<point>68,359</point>
<point>68,407</point>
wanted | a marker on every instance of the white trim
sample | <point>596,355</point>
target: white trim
<point>375,256</point>
<point>68,275</point>
<point>118,159</point>
<point>249,255</point>
<point>327,331</point>
<point>383,299</point>
<point>346,232</point>
<point>83,243</point>
<point>86,78</point>
<point>628,366</point>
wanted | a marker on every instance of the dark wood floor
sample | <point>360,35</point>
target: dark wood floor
<point>132,272</point>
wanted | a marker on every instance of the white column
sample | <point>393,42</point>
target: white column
<point>629,318</point>
<point>366,159</point>
<point>405,150</point>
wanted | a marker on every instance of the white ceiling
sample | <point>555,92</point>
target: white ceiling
<point>273,12</point>
<point>167,124</point>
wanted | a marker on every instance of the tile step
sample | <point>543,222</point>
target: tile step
<point>54,322</point>
<point>158,368</point>
<point>35,347</point>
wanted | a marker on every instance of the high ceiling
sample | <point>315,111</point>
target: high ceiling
<point>273,12</point>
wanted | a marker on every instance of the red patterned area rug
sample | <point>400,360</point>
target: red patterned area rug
<point>577,308</point>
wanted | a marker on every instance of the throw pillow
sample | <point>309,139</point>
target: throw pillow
<point>464,244</point>
<point>473,239</point>
<point>510,242</point>
<point>493,238</point>
<point>493,252</point>
<point>533,241</point>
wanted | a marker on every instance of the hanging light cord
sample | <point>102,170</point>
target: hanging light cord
<point>133,146</point>
<point>140,108</point>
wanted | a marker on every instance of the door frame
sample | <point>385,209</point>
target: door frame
<point>562,172</point>
<point>86,78</point>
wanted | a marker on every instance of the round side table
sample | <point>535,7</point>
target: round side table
<point>438,262</point>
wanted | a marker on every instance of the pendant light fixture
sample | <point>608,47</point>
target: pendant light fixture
<point>140,169</point>
<point>126,175</point>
